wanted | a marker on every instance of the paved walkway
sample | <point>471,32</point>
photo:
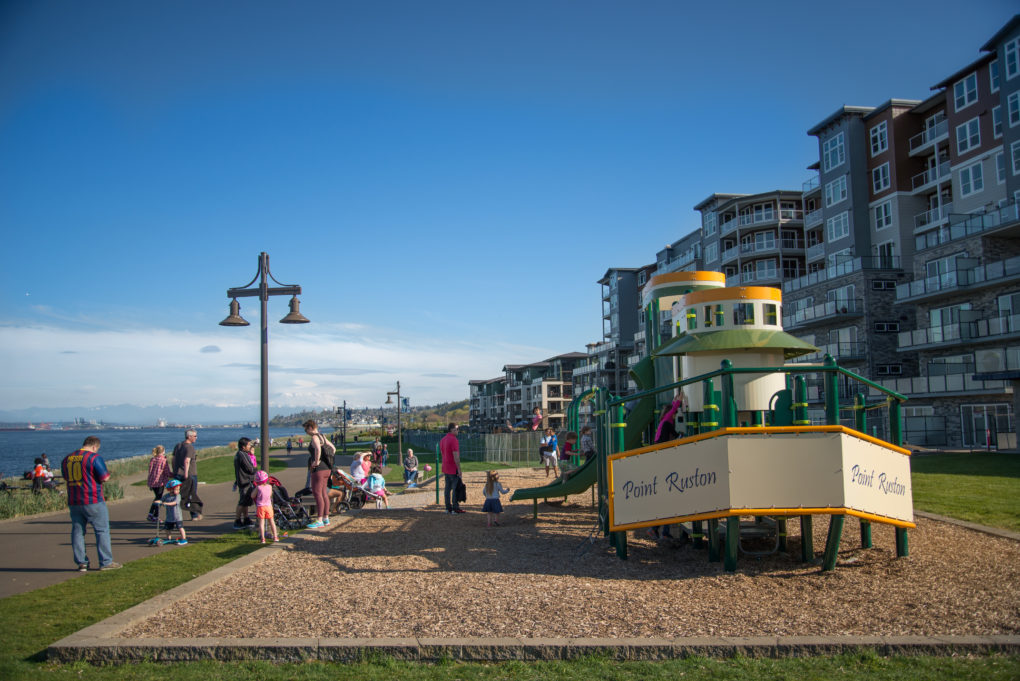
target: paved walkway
<point>36,551</point>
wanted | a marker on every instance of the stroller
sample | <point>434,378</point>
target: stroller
<point>354,495</point>
<point>288,512</point>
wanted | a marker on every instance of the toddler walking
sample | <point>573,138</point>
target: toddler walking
<point>263,494</point>
<point>174,519</point>
<point>377,484</point>
<point>493,506</point>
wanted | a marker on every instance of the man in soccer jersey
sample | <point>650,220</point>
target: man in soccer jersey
<point>85,472</point>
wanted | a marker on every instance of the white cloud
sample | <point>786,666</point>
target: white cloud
<point>50,366</point>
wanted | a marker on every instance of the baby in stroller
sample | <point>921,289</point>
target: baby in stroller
<point>354,495</point>
<point>288,512</point>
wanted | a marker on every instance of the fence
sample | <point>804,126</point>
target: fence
<point>505,448</point>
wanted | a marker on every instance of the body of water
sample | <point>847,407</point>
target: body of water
<point>18,449</point>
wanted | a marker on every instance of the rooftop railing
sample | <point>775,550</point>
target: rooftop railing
<point>812,184</point>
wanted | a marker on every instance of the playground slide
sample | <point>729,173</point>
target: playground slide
<point>581,479</point>
<point>643,412</point>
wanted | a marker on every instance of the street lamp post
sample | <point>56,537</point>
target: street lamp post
<point>264,291</point>
<point>400,441</point>
<point>343,428</point>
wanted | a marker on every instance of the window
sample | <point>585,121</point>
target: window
<point>714,316</point>
<point>883,285</point>
<point>965,91</point>
<point>708,223</point>
<point>887,254</point>
<point>889,369</point>
<point>982,423</point>
<point>840,257</point>
<point>743,313</point>
<point>1014,150</point>
<point>1012,53</point>
<point>833,152</point>
<point>765,269</point>
<point>879,138</point>
<point>787,210</point>
<point>835,191</point>
<point>887,327</point>
<point>880,178</point>
<point>944,322</point>
<point>1013,109</point>
<point>882,215</point>
<point>841,298</point>
<point>838,226</point>
<point>997,121</point>
<point>771,316</point>
<point>1000,167</point>
<point>711,252</point>
<point>971,180</point>
<point>968,136</point>
<point>993,75</point>
<point>692,320</point>
<point>764,212</point>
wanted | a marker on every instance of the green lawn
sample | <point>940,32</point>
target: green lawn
<point>221,469</point>
<point>981,487</point>
<point>396,473</point>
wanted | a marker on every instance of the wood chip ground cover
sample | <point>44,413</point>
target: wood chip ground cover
<point>403,573</point>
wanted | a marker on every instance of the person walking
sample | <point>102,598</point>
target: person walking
<point>186,470</point>
<point>449,447</point>
<point>85,472</point>
<point>159,473</point>
<point>320,463</point>
<point>244,478</point>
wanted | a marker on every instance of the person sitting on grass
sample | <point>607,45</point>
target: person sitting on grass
<point>377,484</point>
<point>411,469</point>
<point>174,519</point>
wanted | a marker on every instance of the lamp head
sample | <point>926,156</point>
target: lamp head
<point>389,400</point>
<point>234,318</point>
<point>295,316</point>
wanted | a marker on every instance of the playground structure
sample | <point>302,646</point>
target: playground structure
<point>747,447</point>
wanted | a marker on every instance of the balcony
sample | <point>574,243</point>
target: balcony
<point>759,247</point>
<point>931,177</point>
<point>933,135</point>
<point>729,254</point>
<point>938,385</point>
<point>932,218</point>
<point>992,328</point>
<point>756,276</point>
<point>842,352</point>
<point>812,185</point>
<point>963,226</point>
<point>815,252</point>
<point>813,219</point>
<point>991,274</point>
<point>823,312</point>
<point>841,269</point>
<point>728,226</point>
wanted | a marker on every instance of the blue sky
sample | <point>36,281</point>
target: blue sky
<point>446,180</point>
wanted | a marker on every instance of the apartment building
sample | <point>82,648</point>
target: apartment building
<point>547,385</point>
<point>487,404</point>
<point>754,239</point>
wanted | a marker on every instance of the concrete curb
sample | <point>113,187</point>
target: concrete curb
<point>994,531</point>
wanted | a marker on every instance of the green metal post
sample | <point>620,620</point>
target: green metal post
<point>860,413</point>
<point>729,405</point>
<point>832,542</point>
<point>710,410</point>
<point>698,534</point>
<point>902,547</point>
<point>757,418</point>
<point>713,540</point>
<point>807,539</point>
<point>831,393</point>
<point>619,424</point>
<point>439,468</point>
<point>732,542</point>
<point>800,403</point>
<point>866,534</point>
<point>781,529</point>
<point>896,422</point>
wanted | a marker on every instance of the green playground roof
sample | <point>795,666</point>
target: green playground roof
<point>735,339</point>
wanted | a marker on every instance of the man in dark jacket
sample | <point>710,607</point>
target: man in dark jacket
<point>244,478</point>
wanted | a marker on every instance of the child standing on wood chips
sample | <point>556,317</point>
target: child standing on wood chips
<point>263,494</point>
<point>493,506</point>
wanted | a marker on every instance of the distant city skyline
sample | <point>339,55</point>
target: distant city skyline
<point>447,181</point>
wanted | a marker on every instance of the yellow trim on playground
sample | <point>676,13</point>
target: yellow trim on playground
<point>734,293</point>
<point>759,430</point>
<point>731,512</point>
<point>685,278</point>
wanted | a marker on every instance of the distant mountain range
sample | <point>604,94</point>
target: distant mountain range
<point>135,415</point>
